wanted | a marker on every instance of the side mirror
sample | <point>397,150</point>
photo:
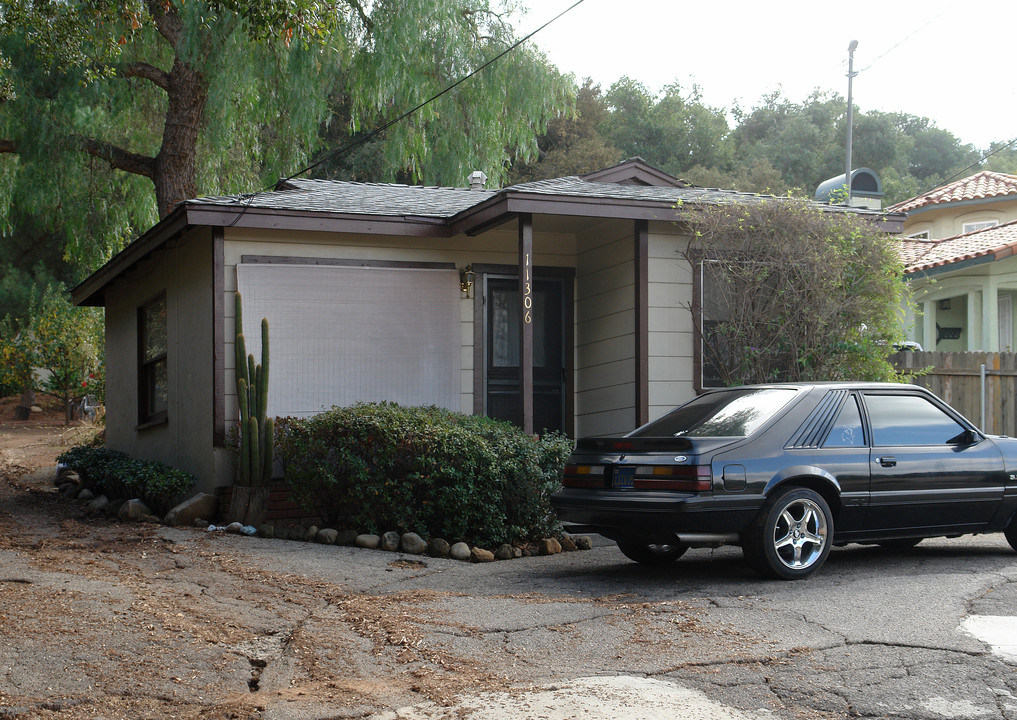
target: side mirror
<point>968,437</point>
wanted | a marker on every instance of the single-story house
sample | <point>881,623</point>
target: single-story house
<point>958,252</point>
<point>558,304</point>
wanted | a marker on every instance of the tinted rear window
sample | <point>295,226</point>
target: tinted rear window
<point>728,413</point>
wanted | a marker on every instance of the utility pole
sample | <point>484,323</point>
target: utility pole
<point>850,115</point>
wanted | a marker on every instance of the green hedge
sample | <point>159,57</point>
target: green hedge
<point>119,475</point>
<point>383,467</point>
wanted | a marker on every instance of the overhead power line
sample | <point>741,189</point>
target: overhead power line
<point>353,144</point>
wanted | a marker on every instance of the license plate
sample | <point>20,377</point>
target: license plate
<point>622,476</point>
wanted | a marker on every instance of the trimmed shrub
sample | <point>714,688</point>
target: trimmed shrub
<point>117,474</point>
<point>382,466</point>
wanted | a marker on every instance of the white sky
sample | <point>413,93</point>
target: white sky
<point>952,62</point>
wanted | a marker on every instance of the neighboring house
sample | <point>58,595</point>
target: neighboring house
<point>410,294</point>
<point>958,249</point>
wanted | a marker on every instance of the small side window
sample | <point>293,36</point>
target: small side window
<point>910,420</point>
<point>847,428</point>
<point>153,381</point>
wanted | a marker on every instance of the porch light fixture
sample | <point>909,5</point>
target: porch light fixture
<point>466,280</point>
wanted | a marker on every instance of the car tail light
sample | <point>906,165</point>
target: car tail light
<point>585,476</point>
<point>690,478</point>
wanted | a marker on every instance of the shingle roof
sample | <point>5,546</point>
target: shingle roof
<point>1000,241</point>
<point>986,184</point>
<point>338,196</point>
<point>391,200</point>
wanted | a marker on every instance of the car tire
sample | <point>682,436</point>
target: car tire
<point>1011,532</point>
<point>651,553</point>
<point>791,537</point>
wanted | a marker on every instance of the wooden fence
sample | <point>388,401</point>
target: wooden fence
<point>956,377</point>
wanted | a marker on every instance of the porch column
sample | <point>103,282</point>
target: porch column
<point>642,303</point>
<point>990,318</point>
<point>929,324</point>
<point>974,320</point>
<point>526,321</point>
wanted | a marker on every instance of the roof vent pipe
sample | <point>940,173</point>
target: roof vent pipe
<point>477,180</point>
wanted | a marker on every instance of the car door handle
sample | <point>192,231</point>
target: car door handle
<point>888,461</point>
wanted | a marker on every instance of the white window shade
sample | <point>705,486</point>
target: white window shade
<point>341,335</point>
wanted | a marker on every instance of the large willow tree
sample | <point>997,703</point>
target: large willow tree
<point>113,111</point>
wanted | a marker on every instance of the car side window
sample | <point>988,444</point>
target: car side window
<point>910,420</point>
<point>847,428</point>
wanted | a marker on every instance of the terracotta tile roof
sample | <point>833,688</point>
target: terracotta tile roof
<point>999,241</point>
<point>986,184</point>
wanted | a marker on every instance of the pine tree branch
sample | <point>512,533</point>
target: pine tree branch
<point>146,71</point>
<point>118,158</point>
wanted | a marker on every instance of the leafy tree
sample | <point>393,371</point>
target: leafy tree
<point>573,144</point>
<point>57,348</point>
<point>107,101</point>
<point>674,131</point>
<point>793,292</point>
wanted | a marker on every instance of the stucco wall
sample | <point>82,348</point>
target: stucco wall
<point>605,335</point>
<point>948,220</point>
<point>184,272</point>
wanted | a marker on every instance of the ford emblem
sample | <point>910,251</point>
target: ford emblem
<point>680,458</point>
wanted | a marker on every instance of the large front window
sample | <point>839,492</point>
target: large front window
<point>153,386</point>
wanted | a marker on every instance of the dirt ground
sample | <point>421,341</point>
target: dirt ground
<point>106,620</point>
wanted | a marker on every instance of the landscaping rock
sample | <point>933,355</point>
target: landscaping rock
<point>371,542</point>
<point>310,534</point>
<point>327,536</point>
<point>86,494</point>
<point>346,537</point>
<point>201,523</point>
<point>67,475</point>
<point>390,541</point>
<point>115,504</point>
<point>459,551</point>
<point>235,528</point>
<point>412,543</point>
<point>505,552</point>
<point>549,546</point>
<point>566,543</point>
<point>98,504</point>
<point>202,505</point>
<point>133,510</point>
<point>480,555</point>
<point>438,548</point>
<point>583,542</point>
<point>69,489</point>
<point>266,531</point>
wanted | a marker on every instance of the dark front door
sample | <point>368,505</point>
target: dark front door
<point>502,397</point>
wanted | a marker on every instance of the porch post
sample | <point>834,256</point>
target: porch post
<point>526,321</point>
<point>642,303</point>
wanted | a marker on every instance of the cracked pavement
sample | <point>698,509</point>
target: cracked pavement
<point>99,619</point>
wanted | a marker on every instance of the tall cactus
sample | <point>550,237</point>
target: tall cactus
<point>257,431</point>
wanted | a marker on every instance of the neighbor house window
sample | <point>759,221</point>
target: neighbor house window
<point>980,225</point>
<point>923,235</point>
<point>153,390</point>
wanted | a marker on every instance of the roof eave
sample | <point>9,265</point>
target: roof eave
<point>92,290</point>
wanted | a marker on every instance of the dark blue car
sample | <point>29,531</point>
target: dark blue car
<point>787,471</point>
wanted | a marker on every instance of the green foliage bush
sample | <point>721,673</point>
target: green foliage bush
<point>117,474</point>
<point>383,467</point>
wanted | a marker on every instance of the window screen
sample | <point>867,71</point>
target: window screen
<point>342,335</point>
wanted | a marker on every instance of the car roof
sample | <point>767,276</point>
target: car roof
<point>831,384</point>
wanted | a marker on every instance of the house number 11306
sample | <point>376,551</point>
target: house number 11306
<point>527,291</point>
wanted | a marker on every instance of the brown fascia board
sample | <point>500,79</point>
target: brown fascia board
<point>186,216</point>
<point>314,221</point>
<point>503,208</point>
<point>91,291</point>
